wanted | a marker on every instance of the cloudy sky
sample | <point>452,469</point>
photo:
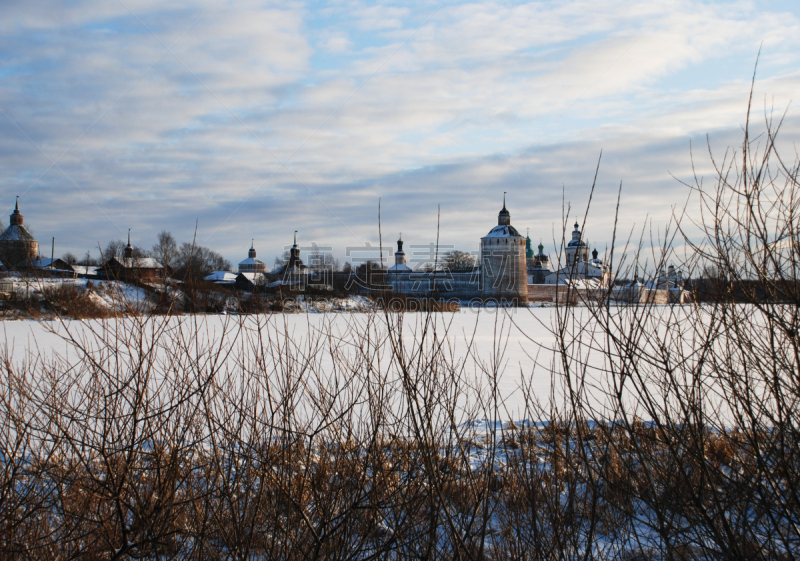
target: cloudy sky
<point>253,119</point>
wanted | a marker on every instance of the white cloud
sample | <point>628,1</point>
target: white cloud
<point>414,104</point>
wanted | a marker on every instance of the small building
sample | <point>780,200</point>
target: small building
<point>17,245</point>
<point>45,266</point>
<point>133,269</point>
<point>250,281</point>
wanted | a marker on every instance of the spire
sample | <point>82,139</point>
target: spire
<point>294,253</point>
<point>16,216</point>
<point>594,254</point>
<point>504,218</point>
<point>528,249</point>
<point>400,243</point>
<point>252,253</point>
<point>128,254</point>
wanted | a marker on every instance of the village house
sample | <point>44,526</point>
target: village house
<point>133,269</point>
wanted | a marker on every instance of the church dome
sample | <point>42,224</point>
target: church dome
<point>576,238</point>
<point>504,229</point>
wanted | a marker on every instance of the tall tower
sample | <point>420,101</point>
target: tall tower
<point>576,248</point>
<point>17,244</point>
<point>503,265</point>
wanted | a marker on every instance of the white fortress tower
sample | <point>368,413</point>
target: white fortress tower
<point>504,274</point>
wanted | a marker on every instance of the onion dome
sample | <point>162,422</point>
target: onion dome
<point>576,237</point>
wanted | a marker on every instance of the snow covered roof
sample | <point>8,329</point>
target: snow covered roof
<point>221,277</point>
<point>138,263</point>
<point>252,277</point>
<point>401,268</point>
<point>16,233</point>
<point>46,262</point>
<point>251,261</point>
<point>84,270</point>
<point>299,268</point>
<point>502,231</point>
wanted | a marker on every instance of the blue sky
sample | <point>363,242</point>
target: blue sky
<point>254,119</point>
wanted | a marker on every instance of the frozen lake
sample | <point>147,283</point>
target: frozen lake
<point>488,360</point>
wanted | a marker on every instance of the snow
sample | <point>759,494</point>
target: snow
<point>141,263</point>
<point>503,232</point>
<point>84,270</point>
<point>16,233</point>
<point>510,349</point>
<point>401,268</point>
<point>221,276</point>
<point>112,295</point>
<point>526,337</point>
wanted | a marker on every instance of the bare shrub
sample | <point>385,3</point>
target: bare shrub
<point>671,431</point>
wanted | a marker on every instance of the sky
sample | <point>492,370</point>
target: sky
<point>231,121</point>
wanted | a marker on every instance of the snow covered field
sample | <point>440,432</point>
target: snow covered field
<point>509,341</point>
<point>511,350</point>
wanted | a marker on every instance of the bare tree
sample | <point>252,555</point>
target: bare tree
<point>194,262</point>
<point>322,261</point>
<point>458,259</point>
<point>282,259</point>
<point>165,249</point>
<point>116,249</point>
